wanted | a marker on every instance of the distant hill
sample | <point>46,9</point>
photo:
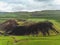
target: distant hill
<point>37,14</point>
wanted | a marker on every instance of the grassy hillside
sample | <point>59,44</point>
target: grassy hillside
<point>51,15</point>
<point>48,14</point>
<point>40,14</point>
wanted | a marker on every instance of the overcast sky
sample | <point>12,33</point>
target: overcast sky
<point>28,5</point>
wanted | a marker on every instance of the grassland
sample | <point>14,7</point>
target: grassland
<point>53,39</point>
<point>29,40</point>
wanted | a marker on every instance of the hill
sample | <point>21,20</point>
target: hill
<point>48,14</point>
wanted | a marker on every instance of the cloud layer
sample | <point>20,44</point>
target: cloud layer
<point>28,5</point>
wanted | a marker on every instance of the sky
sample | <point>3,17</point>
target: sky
<point>28,5</point>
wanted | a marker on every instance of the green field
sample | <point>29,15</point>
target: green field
<point>53,39</point>
<point>29,40</point>
<point>52,16</point>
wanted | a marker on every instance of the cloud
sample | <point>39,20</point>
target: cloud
<point>10,7</point>
<point>4,7</point>
<point>43,0</point>
<point>28,5</point>
<point>56,2</point>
